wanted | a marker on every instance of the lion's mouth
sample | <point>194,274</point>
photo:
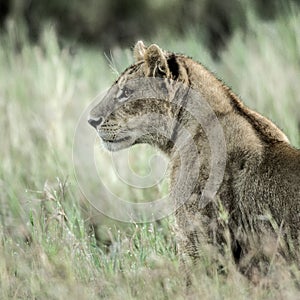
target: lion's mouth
<point>115,140</point>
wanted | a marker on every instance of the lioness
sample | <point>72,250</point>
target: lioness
<point>260,188</point>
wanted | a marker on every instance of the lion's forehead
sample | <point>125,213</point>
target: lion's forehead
<point>122,80</point>
<point>131,72</point>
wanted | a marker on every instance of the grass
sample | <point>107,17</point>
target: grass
<point>53,245</point>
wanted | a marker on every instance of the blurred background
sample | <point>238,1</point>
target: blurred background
<point>107,23</point>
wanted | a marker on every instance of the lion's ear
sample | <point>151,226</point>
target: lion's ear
<point>156,62</point>
<point>139,51</point>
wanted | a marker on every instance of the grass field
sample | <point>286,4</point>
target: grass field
<point>49,248</point>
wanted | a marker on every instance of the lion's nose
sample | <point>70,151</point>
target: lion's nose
<point>95,122</point>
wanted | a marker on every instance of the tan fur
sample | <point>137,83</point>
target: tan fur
<point>261,186</point>
<point>139,51</point>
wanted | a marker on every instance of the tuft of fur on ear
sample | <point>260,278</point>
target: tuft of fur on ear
<point>156,61</point>
<point>139,51</point>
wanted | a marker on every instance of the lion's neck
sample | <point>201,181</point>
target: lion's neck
<point>223,101</point>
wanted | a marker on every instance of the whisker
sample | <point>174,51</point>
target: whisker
<point>112,63</point>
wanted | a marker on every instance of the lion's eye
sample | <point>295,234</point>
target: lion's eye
<point>124,94</point>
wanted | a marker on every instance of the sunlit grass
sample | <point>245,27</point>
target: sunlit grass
<point>52,244</point>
